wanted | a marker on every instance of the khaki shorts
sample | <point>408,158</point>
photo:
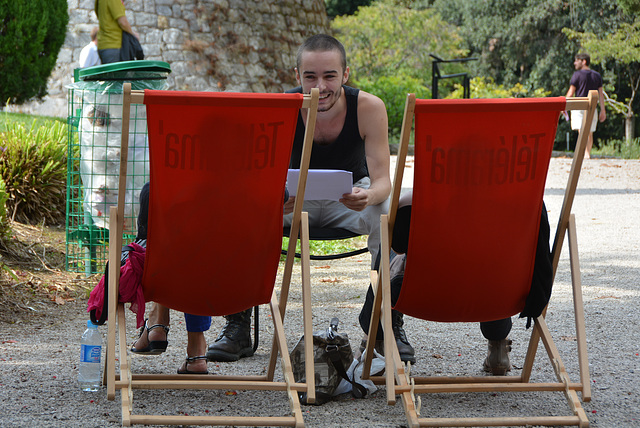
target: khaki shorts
<point>576,120</point>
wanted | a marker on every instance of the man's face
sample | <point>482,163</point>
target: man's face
<point>322,70</point>
<point>579,64</point>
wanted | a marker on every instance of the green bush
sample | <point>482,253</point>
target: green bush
<point>485,87</point>
<point>31,34</point>
<point>33,165</point>
<point>619,148</point>
<point>393,91</point>
<point>387,39</point>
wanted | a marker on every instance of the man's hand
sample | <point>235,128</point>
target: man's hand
<point>603,115</point>
<point>288,206</point>
<point>357,200</point>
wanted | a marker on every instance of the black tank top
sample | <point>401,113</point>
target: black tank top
<point>346,152</point>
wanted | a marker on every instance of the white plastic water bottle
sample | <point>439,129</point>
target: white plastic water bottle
<point>90,351</point>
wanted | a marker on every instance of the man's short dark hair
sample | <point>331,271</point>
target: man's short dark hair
<point>585,57</point>
<point>94,33</point>
<point>322,43</point>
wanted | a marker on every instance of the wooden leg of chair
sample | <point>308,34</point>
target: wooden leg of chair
<point>390,349</point>
<point>394,367</point>
<point>126,392</point>
<point>389,343</point>
<point>550,346</point>
<point>530,357</point>
<point>376,310</point>
<point>114,276</point>
<point>284,291</point>
<point>306,309</point>
<point>402,376</point>
<point>373,326</point>
<point>288,264</point>
<point>271,368</point>
<point>281,341</point>
<point>404,380</point>
<point>373,277</point>
<point>578,308</point>
<point>560,370</point>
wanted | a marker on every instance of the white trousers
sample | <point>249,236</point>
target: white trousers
<point>333,214</point>
<point>576,120</point>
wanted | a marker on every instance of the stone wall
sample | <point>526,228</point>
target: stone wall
<point>211,45</point>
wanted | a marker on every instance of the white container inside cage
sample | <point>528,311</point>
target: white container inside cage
<point>100,133</point>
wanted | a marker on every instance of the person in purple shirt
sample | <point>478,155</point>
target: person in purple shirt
<point>584,80</point>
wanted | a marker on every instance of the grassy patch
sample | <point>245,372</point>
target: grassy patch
<point>330,247</point>
<point>28,120</point>
<point>620,149</point>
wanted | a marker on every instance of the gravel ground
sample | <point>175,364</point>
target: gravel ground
<point>38,358</point>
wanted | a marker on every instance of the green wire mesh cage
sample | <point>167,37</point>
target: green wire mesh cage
<point>95,128</point>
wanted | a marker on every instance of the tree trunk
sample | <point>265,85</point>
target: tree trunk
<point>629,127</point>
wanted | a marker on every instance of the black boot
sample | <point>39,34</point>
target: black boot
<point>407,354</point>
<point>234,341</point>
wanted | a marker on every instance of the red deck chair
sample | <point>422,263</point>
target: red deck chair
<point>218,171</point>
<point>480,171</point>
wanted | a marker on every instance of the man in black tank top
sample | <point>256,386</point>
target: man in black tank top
<point>351,134</point>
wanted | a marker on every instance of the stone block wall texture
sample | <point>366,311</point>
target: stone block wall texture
<point>211,45</point>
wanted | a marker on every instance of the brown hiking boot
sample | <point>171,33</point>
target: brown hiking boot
<point>497,361</point>
<point>234,341</point>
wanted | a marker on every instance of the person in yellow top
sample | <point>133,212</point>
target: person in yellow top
<point>112,22</point>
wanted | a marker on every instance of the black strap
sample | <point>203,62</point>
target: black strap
<point>358,390</point>
<point>105,301</point>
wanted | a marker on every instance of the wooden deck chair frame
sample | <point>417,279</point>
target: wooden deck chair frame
<point>397,377</point>
<point>126,381</point>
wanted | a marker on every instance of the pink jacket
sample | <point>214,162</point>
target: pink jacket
<point>130,286</point>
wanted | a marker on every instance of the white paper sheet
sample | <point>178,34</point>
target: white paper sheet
<point>322,184</point>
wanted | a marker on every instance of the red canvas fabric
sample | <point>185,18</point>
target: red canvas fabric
<point>218,170</point>
<point>480,171</point>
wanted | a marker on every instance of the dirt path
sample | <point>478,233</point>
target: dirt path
<point>39,352</point>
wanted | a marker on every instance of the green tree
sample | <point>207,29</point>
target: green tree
<point>388,47</point>
<point>621,50</point>
<point>31,34</point>
<point>521,41</point>
<point>629,6</point>
<point>389,40</point>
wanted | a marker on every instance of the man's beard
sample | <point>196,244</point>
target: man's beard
<point>333,99</point>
